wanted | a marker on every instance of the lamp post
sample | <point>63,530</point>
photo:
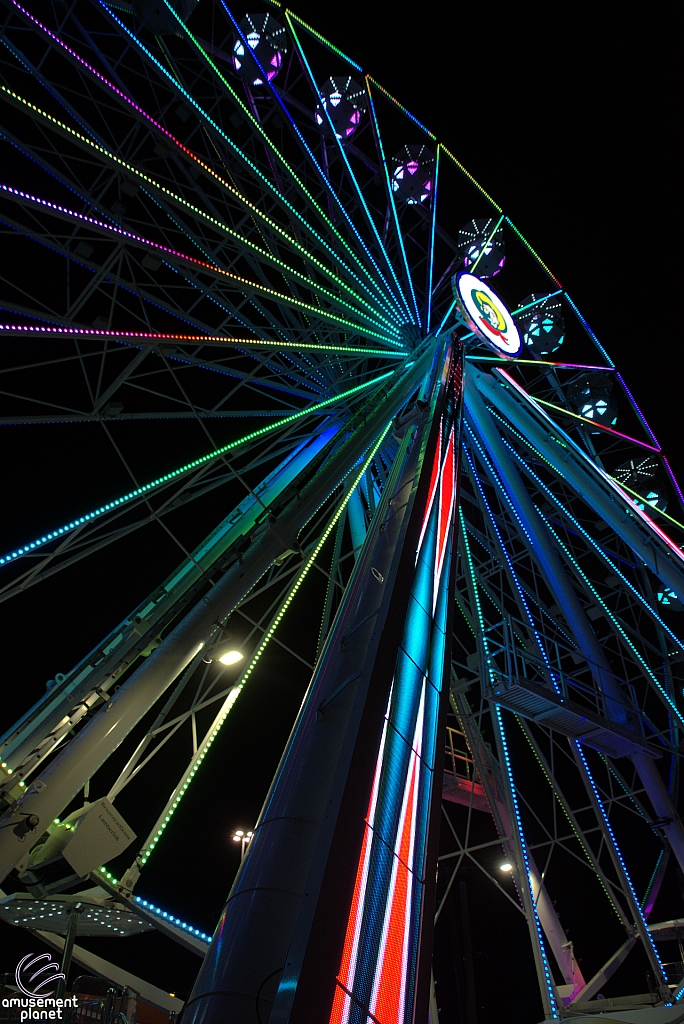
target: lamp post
<point>243,838</point>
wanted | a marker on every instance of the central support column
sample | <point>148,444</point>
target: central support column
<point>344,850</point>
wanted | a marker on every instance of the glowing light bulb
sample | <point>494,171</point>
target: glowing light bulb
<point>231,657</point>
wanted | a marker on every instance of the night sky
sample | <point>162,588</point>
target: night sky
<point>565,115</point>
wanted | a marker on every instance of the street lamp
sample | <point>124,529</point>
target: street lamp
<point>243,838</point>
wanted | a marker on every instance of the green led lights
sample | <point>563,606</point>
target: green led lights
<point>212,733</point>
<point>201,461</point>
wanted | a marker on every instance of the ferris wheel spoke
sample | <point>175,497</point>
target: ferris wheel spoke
<point>409,271</point>
<point>242,241</point>
<point>328,185</point>
<point>164,480</point>
<point>186,263</point>
<point>238,153</point>
<point>264,345</point>
<point>395,289</point>
<point>612,561</point>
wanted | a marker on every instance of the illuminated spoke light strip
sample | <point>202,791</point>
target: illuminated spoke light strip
<point>360,196</point>
<point>635,902</point>
<point>599,550</point>
<point>220,225</point>
<point>247,113</point>
<point>176,797</point>
<point>11,330</point>
<point>204,265</point>
<point>369,286</point>
<point>523,847</point>
<point>393,205</point>
<point>174,474</point>
<point>599,600</point>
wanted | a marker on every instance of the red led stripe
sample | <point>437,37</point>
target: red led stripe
<point>390,988</point>
<point>434,480</point>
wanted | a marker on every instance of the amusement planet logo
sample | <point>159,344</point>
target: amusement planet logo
<point>38,1002</point>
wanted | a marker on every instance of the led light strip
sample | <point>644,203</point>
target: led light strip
<point>595,423</point>
<point>325,42</point>
<point>174,474</point>
<point>253,208</point>
<point>10,330</point>
<point>504,744</point>
<point>342,154</point>
<point>393,205</point>
<point>204,265</point>
<point>578,835</point>
<point>403,109</point>
<point>567,441</point>
<point>535,362</point>
<point>241,240</point>
<point>257,127</point>
<point>523,847</point>
<point>536,255</point>
<point>580,529</point>
<point>431,249</point>
<point>589,331</point>
<point>161,913</point>
<point>609,829</point>
<point>470,177</point>
<point>176,797</point>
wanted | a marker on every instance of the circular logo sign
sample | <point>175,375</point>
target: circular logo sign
<point>486,314</point>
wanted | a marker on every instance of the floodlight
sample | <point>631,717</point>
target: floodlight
<point>231,657</point>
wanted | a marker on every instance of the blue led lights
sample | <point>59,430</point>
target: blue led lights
<point>172,920</point>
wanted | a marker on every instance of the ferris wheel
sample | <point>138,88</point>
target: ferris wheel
<point>270,319</point>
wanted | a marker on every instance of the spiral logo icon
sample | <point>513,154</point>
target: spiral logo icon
<point>34,973</point>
